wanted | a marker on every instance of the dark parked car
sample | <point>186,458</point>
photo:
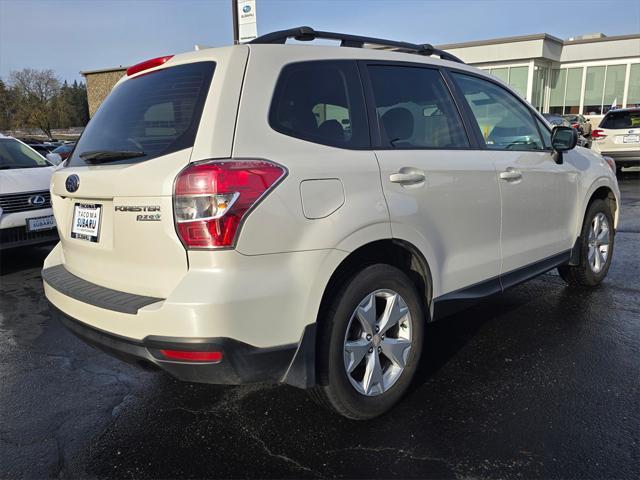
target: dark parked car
<point>559,120</point>
<point>581,123</point>
<point>556,120</point>
<point>64,150</point>
<point>40,148</point>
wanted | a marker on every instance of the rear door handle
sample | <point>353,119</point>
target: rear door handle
<point>407,176</point>
<point>511,174</point>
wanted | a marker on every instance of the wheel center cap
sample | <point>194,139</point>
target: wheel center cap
<point>376,339</point>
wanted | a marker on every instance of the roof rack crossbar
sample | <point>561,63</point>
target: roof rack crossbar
<point>305,34</point>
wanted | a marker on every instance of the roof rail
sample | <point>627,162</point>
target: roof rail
<point>305,34</point>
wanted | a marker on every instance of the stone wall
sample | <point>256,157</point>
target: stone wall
<point>99,85</point>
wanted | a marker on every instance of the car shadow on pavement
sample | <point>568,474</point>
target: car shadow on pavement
<point>445,338</point>
<point>23,258</point>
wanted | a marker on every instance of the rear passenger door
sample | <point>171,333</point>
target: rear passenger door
<point>538,195</point>
<point>441,192</point>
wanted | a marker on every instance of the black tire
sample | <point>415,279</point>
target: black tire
<point>334,389</point>
<point>582,274</point>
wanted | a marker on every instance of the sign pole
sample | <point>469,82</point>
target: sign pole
<point>234,11</point>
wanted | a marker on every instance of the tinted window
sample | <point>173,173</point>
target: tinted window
<point>14,154</point>
<point>504,122</point>
<point>415,108</point>
<point>628,119</point>
<point>157,113</point>
<point>321,102</point>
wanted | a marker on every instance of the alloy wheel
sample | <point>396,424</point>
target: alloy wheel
<point>598,242</point>
<point>377,342</point>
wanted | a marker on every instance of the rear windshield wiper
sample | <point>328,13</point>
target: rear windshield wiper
<point>102,156</point>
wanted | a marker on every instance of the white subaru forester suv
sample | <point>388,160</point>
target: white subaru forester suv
<point>294,213</point>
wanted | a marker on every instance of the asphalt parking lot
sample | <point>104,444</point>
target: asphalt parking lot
<point>543,381</point>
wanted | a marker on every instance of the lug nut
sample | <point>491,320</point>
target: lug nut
<point>382,336</point>
<point>371,350</point>
<point>377,329</point>
<point>369,338</point>
<point>379,349</point>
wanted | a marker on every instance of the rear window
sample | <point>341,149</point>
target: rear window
<point>156,113</point>
<point>616,120</point>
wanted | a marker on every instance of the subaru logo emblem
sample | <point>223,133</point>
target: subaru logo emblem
<point>246,8</point>
<point>72,183</point>
<point>36,200</point>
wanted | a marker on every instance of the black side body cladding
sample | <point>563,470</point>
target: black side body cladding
<point>454,302</point>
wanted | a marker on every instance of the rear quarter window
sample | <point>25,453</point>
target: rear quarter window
<point>157,113</point>
<point>321,102</point>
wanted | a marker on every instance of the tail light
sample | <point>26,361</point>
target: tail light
<point>611,162</point>
<point>598,134</point>
<point>147,64</point>
<point>575,125</point>
<point>211,199</point>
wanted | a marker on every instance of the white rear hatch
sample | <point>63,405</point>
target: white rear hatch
<point>619,131</point>
<point>113,199</point>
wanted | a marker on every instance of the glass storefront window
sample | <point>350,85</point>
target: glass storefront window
<point>556,96</point>
<point>501,73</point>
<point>613,87</point>
<point>518,79</point>
<point>540,74</point>
<point>593,89</point>
<point>633,94</point>
<point>574,88</point>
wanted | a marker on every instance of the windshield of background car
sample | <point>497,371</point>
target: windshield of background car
<point>14,154</point>
<point>617,120</point>
<point>156,113</point>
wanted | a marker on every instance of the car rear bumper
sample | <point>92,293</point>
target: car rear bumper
<point>256,307</point>
<point>624,158</point>
<point>240,363</point>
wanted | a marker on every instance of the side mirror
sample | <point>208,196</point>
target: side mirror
<point>563,139</point>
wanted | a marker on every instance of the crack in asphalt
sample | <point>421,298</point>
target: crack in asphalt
<point>404,454</point>
<point>272,454</point>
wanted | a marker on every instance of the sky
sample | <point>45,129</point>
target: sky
<point>68,36</point>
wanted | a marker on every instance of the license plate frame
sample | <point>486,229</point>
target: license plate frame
<point>47,222</point>
<point>87,230</point>
<point>628,139</point>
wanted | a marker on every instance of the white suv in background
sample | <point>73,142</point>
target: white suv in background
<point>294,213</point>
<point>618,136</point>
<point>26,217</point>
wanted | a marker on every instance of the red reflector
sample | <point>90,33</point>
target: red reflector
<point>192,356</point>
<point>146,65</point>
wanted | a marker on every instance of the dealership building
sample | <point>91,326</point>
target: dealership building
<point>587,74</point>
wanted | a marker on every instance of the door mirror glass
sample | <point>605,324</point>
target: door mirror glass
<point>564,138</point>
